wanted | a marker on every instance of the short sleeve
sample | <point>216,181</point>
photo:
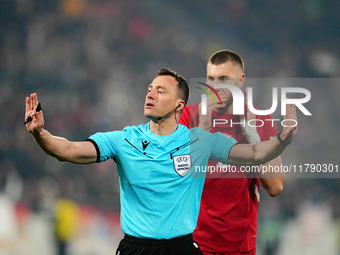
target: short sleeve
<point>106,144</point>
<point>221,146</point>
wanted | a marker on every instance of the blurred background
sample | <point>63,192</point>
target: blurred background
<point>90,62</point>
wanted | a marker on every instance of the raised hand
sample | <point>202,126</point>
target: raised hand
<point>37,118</point>
<point>205,120</point>
<point>249,131</point>
<point>290,128</point>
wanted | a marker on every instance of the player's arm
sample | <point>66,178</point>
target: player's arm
<point>272,182</point>
<point>262,152</point>
<point>58,147</point>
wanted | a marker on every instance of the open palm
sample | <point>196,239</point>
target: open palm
<point>37,122</point>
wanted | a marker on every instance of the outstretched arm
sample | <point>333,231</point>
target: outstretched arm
<point>58,147</point>
<point>260,153</point>
<point>272,181</point>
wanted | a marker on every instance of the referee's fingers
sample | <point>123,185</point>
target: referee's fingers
<point>35,100</point>
<point>28,108</point>
<point>31,101</point>
<point>290,111</point>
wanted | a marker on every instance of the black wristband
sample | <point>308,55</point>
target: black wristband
<point>281,141</point>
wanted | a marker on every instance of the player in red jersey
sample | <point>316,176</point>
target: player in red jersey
<point>227,220</point>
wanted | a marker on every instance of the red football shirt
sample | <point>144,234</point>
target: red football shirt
<point>227,220</point>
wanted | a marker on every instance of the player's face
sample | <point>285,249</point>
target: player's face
<point>226,73</point>
<point>161,97</point>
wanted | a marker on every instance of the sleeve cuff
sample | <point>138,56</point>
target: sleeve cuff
<point>97,148</point>
<point>230,150</point>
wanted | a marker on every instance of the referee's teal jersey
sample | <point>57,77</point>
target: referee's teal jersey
<point>160,187</point>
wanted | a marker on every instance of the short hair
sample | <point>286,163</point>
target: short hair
<point>223,56</point>
<point>182,86</point>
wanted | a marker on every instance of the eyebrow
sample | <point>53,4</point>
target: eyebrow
<point>157,87</point>
<point>219,77</point>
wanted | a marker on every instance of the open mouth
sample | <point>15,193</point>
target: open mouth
<point>149,105</point>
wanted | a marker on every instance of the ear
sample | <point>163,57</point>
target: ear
<point>241,79</point>
<point>180,105</point>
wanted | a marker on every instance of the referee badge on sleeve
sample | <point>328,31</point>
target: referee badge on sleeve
<point>182,164</point>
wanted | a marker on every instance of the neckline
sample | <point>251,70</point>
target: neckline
<point>162,137</point>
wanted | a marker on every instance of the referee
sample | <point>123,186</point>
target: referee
<point>159,187</point>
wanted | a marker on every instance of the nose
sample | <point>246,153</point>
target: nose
<point>151,94</point>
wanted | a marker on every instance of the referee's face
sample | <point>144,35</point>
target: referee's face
<point>161,97</point>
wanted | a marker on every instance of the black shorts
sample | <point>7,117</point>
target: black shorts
<point>183,245</point>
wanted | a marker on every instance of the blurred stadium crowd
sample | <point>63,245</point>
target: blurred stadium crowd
<point>90,62</point>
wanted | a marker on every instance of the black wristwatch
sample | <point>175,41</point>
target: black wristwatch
<point>280,140</point>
